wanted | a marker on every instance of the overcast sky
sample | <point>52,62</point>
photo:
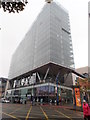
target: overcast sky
<point>14,26</point>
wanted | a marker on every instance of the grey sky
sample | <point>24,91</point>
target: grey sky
<point>15,26</point>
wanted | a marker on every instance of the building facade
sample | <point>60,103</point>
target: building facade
<point>0,89</point>
<point>43,56</point>
<point>84,83</point>
<point>48,40</point>
<point>3,82</point>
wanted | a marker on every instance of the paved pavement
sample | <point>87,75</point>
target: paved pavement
<point>38,112</point>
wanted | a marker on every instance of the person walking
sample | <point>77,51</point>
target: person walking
<point>89,112</point>
<point>85,110</point>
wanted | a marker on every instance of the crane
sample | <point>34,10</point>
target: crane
<point>15,5</point>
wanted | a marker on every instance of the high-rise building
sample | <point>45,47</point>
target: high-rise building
<point>48,40</point>
<point>45,51</point>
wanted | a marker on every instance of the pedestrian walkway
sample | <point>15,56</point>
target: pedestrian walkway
<point>66,106</point>
<point>39,112</point>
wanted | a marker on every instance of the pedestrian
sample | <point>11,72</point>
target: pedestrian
<point>21,100</point>
<point>85,110</point>
<point>41,101</point>
<point>89,112</point>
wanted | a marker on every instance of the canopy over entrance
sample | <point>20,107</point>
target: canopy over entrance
<point>53,69</point>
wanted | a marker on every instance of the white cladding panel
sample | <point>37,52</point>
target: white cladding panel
<point>48,40</point>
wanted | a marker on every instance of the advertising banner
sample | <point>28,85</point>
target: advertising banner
<point>77,96</point>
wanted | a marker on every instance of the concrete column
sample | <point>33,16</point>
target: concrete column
<point>73,77</point>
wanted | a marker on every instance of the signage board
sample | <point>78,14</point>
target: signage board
<point>77,96</point>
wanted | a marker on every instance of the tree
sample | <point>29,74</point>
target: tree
<point>13,5</point>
